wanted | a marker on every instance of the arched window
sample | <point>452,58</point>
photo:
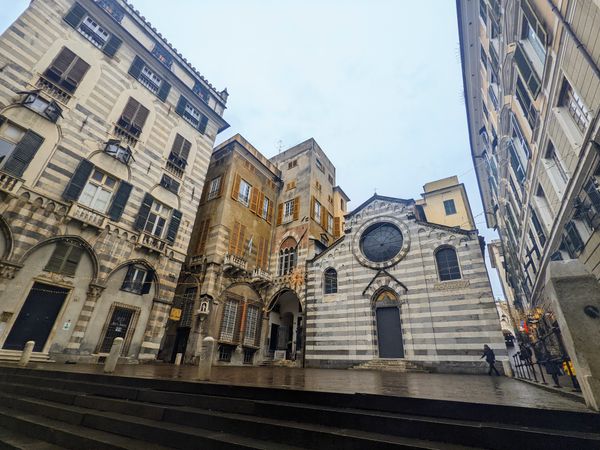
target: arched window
<point>447,264</point>
<point>287,256</point>
<point>330,281</point>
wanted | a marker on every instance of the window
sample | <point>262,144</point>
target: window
<point>157,218</point>
<point>118,152</point>
<point>229,320</point>
<point>65,73</point>
<point>237,239</point>
<point>532,30</point>
<point>484,58</point>
<point>178,158</point>
<point>244,192</point>
<point>117,326</point>
<point>161,54</point>
<point>572,240</point>
<point>131,122</point>
<point>266,208</point>
<point>483,11</point>
<point>493,97</point>
<point>485,111</point>
<point>38,104</point>
<point>111,7</point>
<point>201,91</point>
<point>577,109</point>
<point>555,164</point>
<point>287,256</point>
<point>17,148</point>
<point>225,352</point>
<point>318,186</point>
<point>89,28</point>
<point>291,185</point>
<point>191,114</point>
<point>149,78</point>
<point>517,134</point>
<point>317,211</point>
<point>169,184</point>
<point>288,211</point>
<point>447,264</point>
<point>528,73</point>
<point>526,103</point>
<point>381,242</point>
<point>320,165</point>
<point>329,223</point>
<point>449,207</point>
<point>330,179</point>
<point>248,355</point>
<point>251,329</point>
<point>65,258</point>
<point>292,164</point>
<point>98,191</point>
<point>537,226</point>
<point>516,164</point>
<point>330,281</point>
<point>591,188</point>
<point>342,206</point>
<point>215,188</point>
<point>134,279</point>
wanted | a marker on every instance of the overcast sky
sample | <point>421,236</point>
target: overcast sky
<point>377,83</point>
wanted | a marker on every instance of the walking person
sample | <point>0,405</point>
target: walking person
<point>490,358</point>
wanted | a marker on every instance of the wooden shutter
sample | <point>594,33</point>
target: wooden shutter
<point>203,124</point>
<point>270,211</point>
<point>296,208</point>
<point>324,215</point>
<point>127,281</point>
<point>203,236</point>
<point>72,260</point>
<point>59,254</point>
<point>221,185</point>
<point>233,237</point>
<point>75,15</point>
<point>136,67</point>
<point>174,226</point>
<point>312,207</point>
<point>241,241</point>
<point>23,153</point>
<point>164,90</point>
<point>280,214</point>
<point>130,110</point>
<point>185,149</point>
<point>113,44</point>
<point>140,116</point>
<point>78,180</point>
<point>254,200</point>
<point>147,282</point>
<point>120,200</point>
<point>259,252</point>
<point>62,62</point>
<point>260,203</point>
<point>142,217</point>
<point>236,186</point>
<point>337,227</point>
<point>180,108</point>
<point>77,71</point>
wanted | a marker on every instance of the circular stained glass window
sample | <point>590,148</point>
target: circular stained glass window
<point>381,242</point>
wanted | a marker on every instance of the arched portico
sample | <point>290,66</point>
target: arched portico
<point>284,333</point>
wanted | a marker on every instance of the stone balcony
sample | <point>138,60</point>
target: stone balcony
<point>9,184</point>
<point>196,263</point>
<point>234,265</point>
<point>260,278</point>
<point>151,242</point>
<point>87,216</point>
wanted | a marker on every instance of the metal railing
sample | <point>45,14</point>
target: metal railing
<point>525,368</point>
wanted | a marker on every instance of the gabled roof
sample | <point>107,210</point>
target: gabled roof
<point>334,244</point>
<point>409,201</point>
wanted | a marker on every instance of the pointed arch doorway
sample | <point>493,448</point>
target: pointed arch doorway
<point>389,326</point>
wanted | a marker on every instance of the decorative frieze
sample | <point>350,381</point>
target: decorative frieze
<point>451,285</point>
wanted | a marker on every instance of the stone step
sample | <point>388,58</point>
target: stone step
<point>263,419</point>
<point>10,440</point>
<point>15,356</point>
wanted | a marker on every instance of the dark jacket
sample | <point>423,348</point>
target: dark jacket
<point>490,357</point>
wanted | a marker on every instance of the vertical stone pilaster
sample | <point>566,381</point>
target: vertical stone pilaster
<point>155,329</point>
<point>93,294</point>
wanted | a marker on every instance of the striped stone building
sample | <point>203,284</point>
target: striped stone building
<point>398,288</point>
<point>105,138</point>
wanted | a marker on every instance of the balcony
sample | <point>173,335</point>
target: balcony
<point>9,184</point>
<point>53,89</point>
<point>260,278</point>
<point>87,216</point>
<point>151,242</point>
<point>234,265</point>
<point>196,263</point>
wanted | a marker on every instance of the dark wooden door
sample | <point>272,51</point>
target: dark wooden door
<point>389,333</point>
<point>273,339</point>
<point>37,317</point>
<point>181,341</point>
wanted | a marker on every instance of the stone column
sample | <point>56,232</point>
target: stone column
<point>575,298</point>
<point>93,294</point>
<point>154,330</point>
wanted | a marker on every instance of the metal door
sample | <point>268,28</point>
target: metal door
<point>37,316</point>
<point>389,333</point>
<point>117,327</point>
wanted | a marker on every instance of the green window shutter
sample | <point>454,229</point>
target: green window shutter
<point>23,153</point>
<point>174,226</point>
<point>203,123</point>
<point>78,180</point>
<point>58,256</point>
<point>529,75</point>
<point>180,108</point>
<point>164,90</point>
<point>147,282</point>
<point>127,282</point>
<point>136,67</point>
<point>72,260</point>
<point>119,201</point>
<point>142,217</point>
<point>75,15</point>
<point>113,44</point>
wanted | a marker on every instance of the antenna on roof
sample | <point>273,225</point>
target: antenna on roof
<point>279,146</point>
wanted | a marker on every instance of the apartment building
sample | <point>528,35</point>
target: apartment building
<point>106,133</point>
<point>532,92</point>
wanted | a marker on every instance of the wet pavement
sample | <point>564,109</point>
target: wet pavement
<point>466,388</point>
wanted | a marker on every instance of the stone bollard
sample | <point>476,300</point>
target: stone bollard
<point>113,356</point>
<point>26,354</point>
<point>178,359</point>
<point>206,358</point>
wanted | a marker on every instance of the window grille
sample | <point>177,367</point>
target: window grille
<point>447,264</point>
<point>251,325</point>
<point>331,286</point>
<point>229,320</point>
<point>574,104</point>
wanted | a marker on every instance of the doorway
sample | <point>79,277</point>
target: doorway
<point>117,327</point>
<point>389,333</point>
<point>37,317</point>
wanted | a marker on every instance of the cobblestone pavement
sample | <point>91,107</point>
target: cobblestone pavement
<point>468,388</point>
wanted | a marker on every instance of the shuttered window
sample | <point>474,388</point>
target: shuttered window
<point>530,77</point>
<point>134,279</point>
<point>203,236</point>
<point>229,320</point>
<point>537,226</point>
<point>149,78</point>
<point>120,201</point>
<point>133,118</point>
<point>236,239</point>
<point>251,328</point>
<point>262,258</point>
<point>15,157</point>
<point>572,240</point>
<point>67,70</point>
<point>64,259</point>
<point>169,184</point>
<point>191,114</point>
<point>92,30</point>
<point>526,103</point>
<point>337,227</point>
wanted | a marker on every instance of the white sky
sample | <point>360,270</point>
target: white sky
<point>377,83</point>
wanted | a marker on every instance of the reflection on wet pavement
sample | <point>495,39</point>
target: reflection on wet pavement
<point>471,388</point>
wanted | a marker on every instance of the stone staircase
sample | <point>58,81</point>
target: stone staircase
<point>391,365</point>
<point>49,409</point>
<point>15,356</point>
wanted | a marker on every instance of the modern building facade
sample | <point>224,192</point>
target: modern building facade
<point>399,288</point>
<point>259,221</point>
<point>532,92</point>
<point>106,133</point>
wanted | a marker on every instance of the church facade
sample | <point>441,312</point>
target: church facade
<point>397,287</point>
